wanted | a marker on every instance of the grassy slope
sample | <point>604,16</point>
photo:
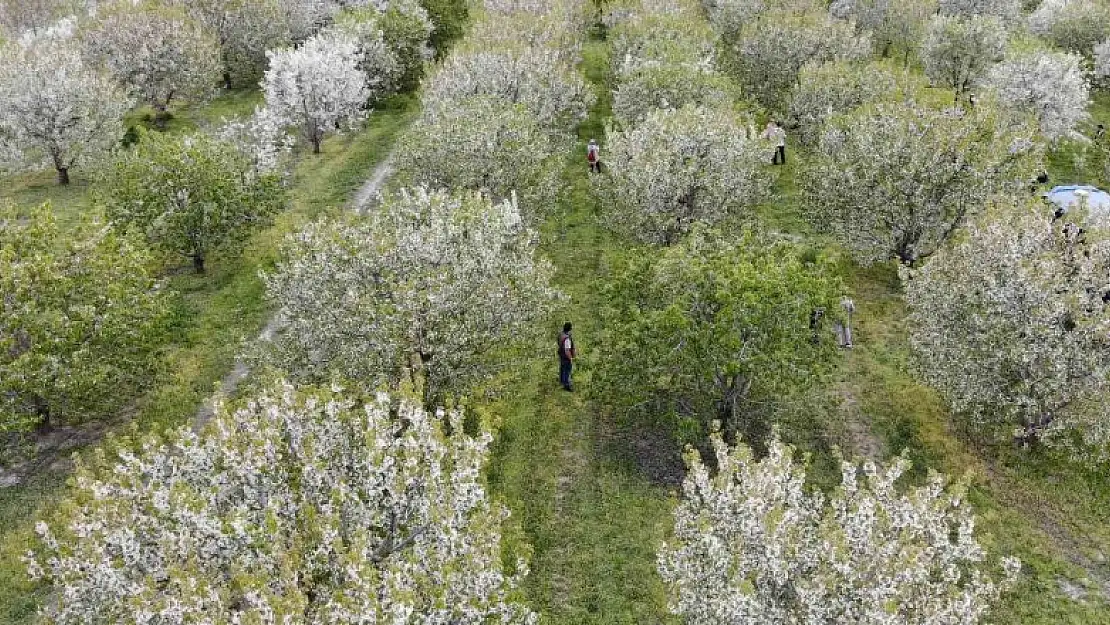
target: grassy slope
<point>221,309</point>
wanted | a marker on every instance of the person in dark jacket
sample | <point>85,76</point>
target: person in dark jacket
<point>566,357</point>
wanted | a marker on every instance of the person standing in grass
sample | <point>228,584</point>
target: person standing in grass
<point>774,132</point>
<point>566,357</point>
<point>593,156</point>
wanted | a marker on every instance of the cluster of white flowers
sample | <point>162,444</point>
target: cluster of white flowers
<point>1009,11</point>
<point>1074,25</point>
<point>497,112</point>
<point>431,284</point>
<point>1050,86</point>
<point>535,76</point>
<point>681,167</point>
<point>729,16</point>
<point>54,108</point>
<point>328,82</point>
<point>303,506</point>
<point>958,50</point>
<point>318,86</point>
<point>898,179</point>
<point>679,154</point>
<point>665,61</point>
<point>244,30</point>
<point>753,544</point>
<point>261,137</point>
<point>1011,324</point>
<point>833,88</point>
<point>770,50</point>
<point>1102,62</point>
<point>160,53</point>
<point>893,24</point>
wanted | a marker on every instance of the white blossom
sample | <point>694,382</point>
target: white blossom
<point>1007,10</point>
<point>1102,61</point>
<point>317,86</point>
<point>55,108</point>
<point>260,137</point>
<point>771,51</point>
<point>321,507</point>
<point>432,284</point>
<point>1011,324</point>
<point>681,167</point>
<point>892,23</point>
<point>159,53</point>
<point>832,88</point>
<point>729,16</point>
<point>486,144</point>
<point>305,17</point>
<point>665,86</point>
<point>958,51</point>
<point>552,30</point>
<point>21,16</point>
<point>752,544</point>
<point>557,95</point>
<point>379,64</point>
<point>652,38</point>
<point>897,180</point>
<point>1074,25</point>
<point>245,30</point>
<point>1051,86</point>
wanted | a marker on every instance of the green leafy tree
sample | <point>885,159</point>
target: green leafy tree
<point>408,29</point>
<point>190,195</point>
<point>80,318</point>
<point>448,17</point>
<point>711,328</point>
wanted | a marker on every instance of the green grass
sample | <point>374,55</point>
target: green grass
<point>220,310</point>
<point>1077,162</point>
<point>592,519</point>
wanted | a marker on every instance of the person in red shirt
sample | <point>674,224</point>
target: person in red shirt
<point>566,356</point>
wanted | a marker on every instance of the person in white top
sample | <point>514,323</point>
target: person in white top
<point>593,156</point>
<point>775,133</point>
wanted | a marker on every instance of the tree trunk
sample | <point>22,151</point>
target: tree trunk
<point>161,116</point>
<point>42,411</point>
<point>315,144</point>
<point>1030,435</point>
<point>426,393</point>
<point>198,262</point>
<point>227,80</point>
<point>63,176</point>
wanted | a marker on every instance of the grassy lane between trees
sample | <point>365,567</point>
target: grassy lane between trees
<point>219,312</point>
<point>593,519</point>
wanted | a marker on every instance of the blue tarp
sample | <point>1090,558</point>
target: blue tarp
<point>1068,196</point>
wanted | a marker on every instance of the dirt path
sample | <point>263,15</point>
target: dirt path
<point>369,190</point>
<point>230,383</point>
